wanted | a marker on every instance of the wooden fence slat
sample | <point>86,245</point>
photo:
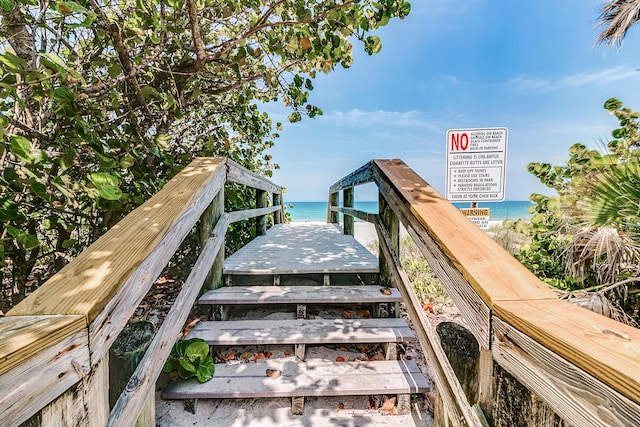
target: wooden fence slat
<point>461,412</point>
<point>470,304</point>
<point>41,374</point>
<point>467,247</point>
<point>236,216</point>
<point>365,216</point>
<point>602,347</point>
<point>360,176</point>
<point>86,285</point>
<point>132,399</point>
<point>241,175</point>
<point>579,398</point>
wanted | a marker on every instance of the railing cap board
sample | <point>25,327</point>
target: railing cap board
<point>24,336</point>
<point>86,285</point>
<point>494,274</point>
<point>362,175</point>
<point>607,349</point>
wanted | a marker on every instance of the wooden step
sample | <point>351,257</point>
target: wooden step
<point>303,331</point>
<point>299,295</point>
<point>311,378</point>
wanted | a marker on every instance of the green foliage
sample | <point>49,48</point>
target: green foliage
<point>102,103</point>
<point>425,284</point>
<point>190,358</point>
<point>594,190</point>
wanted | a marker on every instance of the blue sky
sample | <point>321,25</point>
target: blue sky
<point>532,67</point>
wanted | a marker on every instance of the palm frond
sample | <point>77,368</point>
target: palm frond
<point>617,16</point>
<point>599,303</point>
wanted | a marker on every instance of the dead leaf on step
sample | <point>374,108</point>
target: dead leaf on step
<point>229,356</point>
<point>268,354</point>
<point>258,357</point>
<point>274,373</point>
<point>287,353</point>
<point>363,313</point>
<point>342,349</point>
<point>388,405</point>
<point>247,355</point>
<point>427,307</point>
<point>377,356</point>
<point>364,348</point>
<point>385,291</point>
<point>346,314</point>
<point>339,359</point>
<point>372,403</point>
<point>340,407</point>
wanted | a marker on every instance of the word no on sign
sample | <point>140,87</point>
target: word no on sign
<point>476,164</point>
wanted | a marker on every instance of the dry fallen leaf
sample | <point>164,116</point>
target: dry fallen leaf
<point>268,355</point>
<point>346,314</point>
<point>258,357</point>
<point>287,353</point>
<point>339,359</point>
<point>274,373</point>
<point>247,355</point>
<point>342,349</point>
<point>340,407</point>
<point>363,313</point>
<point>385,291</point>
<point>428,308</point>
<point>388,404</point>
<point>229,356</point>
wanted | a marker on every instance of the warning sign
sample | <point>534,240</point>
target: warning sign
<point>479,216</point>
<point>476,164</point>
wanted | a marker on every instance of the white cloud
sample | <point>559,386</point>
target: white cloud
<point>524,83</point>
<point>360,118</point>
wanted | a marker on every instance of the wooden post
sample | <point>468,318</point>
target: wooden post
<point>348,196</point>
<point>334,200</point>
<point>463,353</point>
<point>208,221</point>
<point>277,216</point>
<point>261,221</point>
<point>124,356</point>
<point>390,222</point>
<point>515,405</point>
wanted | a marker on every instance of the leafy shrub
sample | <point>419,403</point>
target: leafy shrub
<point>190,358</point>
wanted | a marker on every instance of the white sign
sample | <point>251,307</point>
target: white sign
<point>476,164</point>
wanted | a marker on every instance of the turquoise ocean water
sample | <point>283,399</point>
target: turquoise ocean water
<point>317,211</point>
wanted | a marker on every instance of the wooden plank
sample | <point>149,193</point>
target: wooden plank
<point>310,378</point>
<point>602,347</point>
<point>303,331</point>
<point>298,295</point>
<point>471,306</point>
<point>242,175</point>
<point>579,398</point>
<point>35,381</point>
<point>131,401</point>
<point>22,337</point>
<point>84,404</point>
<point>360,176</point>
<point>302,248</point>
<point>236,216</point>
<point>106,281</point>
<point>365,216</point>
<point>456,403</point>
<point>468,301</point>
<point>469,248</point>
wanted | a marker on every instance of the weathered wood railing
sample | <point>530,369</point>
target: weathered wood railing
<point>54,344</point>
<point>584,366</point>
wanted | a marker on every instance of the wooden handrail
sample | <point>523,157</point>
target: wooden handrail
<point>554,348</point>
<point>60,333</point>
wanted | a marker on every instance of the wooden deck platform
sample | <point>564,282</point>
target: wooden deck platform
<point>302,248</point>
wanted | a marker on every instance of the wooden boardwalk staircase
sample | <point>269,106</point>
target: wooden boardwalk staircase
<point>291,301</point>
<point>303,285</point>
